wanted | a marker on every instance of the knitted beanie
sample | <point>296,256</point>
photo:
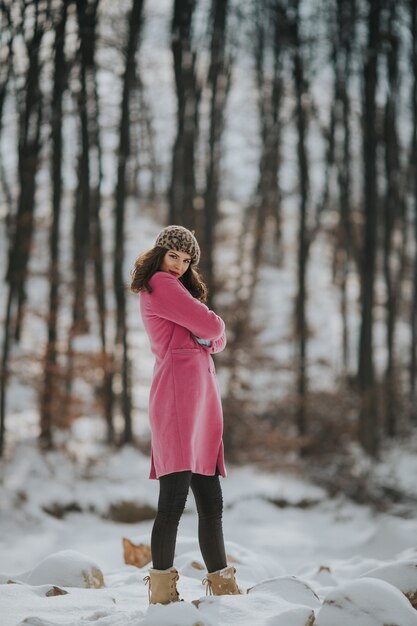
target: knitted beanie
<point>181,239</point>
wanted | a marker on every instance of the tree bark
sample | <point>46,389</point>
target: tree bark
<point>50,399</point>
<point>303,235</point>
<point>183,190</point>
<point>394,244</point>
<point>6,31</point>
<point>87,22</point>
<point>123,156</point>
<point>368,420</point>
<point>413,178</point>
<point>30,115</point>
<point>219,77</point>
<point>272,27</point>
<point>29,149</point>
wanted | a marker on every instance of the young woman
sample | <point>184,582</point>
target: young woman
<point>185,411</point>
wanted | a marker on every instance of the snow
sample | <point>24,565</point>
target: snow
<point>332,560</point>
<point>368,602</point>
<point>67,568</point>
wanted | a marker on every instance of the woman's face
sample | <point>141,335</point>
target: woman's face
<point>175,263</point>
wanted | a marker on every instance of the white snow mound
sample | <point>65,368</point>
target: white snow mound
<point>254,608</point>
<point>290,588</point>
<point>368,602</point>
<point>175,614</point>
<point>402,574</point>
<point>67,568</point>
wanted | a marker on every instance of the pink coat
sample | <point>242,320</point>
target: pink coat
<point>185,411</point>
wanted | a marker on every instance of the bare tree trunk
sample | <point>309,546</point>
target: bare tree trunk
<point>87,17</point>
<point>346,27</point>
<point>29,148</point>
<point>6,69</point>
<point>6,32</point>
<point>339,155</point>
<point>105,392</point>
<point>271,29</point>
<point>394,250</point>
<point>303,236</point>
<point>368,421</point>
<point>86,226</point>
<point>272,24</point>
<point>50,398</point>
<point>182,191</point>
<point>147,136</point>
<point>413,178</point>
<point>219,78</point>
<point>30,113</point>
<point>124,153</point>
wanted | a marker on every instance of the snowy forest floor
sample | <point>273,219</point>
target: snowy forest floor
<point>74,505</point>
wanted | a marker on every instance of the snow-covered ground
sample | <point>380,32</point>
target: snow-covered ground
<point>302,555</point>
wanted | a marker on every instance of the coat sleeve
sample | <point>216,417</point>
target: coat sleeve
<point>172,301</point>
<point>217,345</point>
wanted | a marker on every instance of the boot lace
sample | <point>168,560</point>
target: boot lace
<point>147,581</point>
<point>208,583</point>
<point>174,585</point>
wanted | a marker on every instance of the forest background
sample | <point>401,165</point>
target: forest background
<point>285,134</point>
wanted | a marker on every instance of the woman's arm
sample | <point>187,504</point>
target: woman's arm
<point>172,301</point>
<point>212,346</point>
<point>217,345</point>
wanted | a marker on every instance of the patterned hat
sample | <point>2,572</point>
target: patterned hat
<point>181,239</point>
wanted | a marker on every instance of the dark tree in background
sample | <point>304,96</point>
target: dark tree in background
<point>368,421</point>
<point>87,25</point>
<point>49,404</point>
<point>413,178</point>
<point>394,217</point>
<point>272,36</point>
<point>6,42</point>
<point>304,237</point>
<point>29,111</point>
<point>87,195</point>
<point>219,77</point>
<point>183,191</point>
<point>121,345</point>
<point>343,21</point>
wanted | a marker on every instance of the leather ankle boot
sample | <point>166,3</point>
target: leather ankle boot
<point>162,586</point>
<point>222,582</point>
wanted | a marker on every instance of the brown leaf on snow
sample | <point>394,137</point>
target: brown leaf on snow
<point>55,591</point>
<point>412,596</point>
<point>197,565</point>
<point>136,554</point>
<point>231,559</point>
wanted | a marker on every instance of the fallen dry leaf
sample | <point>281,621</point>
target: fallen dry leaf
<point>231,559</point>
<point>197,565</point>
<point>55,591</point>
<point>412,596</point>
<point>136,554</point>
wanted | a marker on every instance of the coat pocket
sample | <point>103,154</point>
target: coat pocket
<point>185,350</point>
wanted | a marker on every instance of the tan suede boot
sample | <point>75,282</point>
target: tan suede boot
<point>162,586</point>
<point>222,582</point>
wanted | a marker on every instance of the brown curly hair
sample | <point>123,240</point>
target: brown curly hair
<point>149,262</point>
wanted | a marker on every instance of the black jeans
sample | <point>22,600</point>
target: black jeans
<point>173,492</point>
